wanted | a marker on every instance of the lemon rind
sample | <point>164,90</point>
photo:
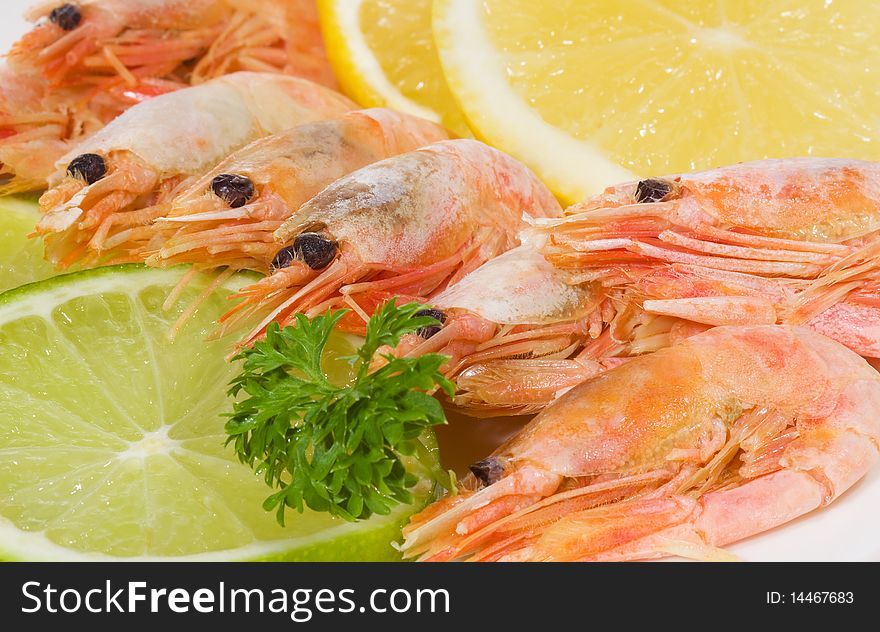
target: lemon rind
<point>572,168</point>
<point>358,70</point>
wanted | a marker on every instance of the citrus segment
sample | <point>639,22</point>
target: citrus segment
<point>384,56</point>
<point>112,438</point>
<point>592,93</point>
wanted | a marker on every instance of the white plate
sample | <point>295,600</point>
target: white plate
<point>845,531</point>
<point>12,24</point>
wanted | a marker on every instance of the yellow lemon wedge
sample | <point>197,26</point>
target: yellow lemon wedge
<point>593,93</point>
<point>384,56</point>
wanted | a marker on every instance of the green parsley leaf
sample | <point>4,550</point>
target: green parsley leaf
<point>331,448</point>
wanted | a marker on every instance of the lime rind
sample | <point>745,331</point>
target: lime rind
<point>202,504</point>
<point>345,542</point>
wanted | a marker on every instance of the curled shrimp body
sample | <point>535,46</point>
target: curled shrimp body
<point>97,58</point>
<point>777,241</point>
<point>121,173</point>
<point>513,329</point>
<point>408,225</point>
<point>283,172</point>
<point>733,432</point>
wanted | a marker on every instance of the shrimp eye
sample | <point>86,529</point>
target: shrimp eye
<point>433,330</point>
<point>283,258</point>
<point>653,190</point>
<point>315,250</point>
<point>87,167</point>
<point>234,190</point>
<point>67,16</point>
<point>488,471</point>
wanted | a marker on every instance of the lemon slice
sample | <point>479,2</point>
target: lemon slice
<point>384,56</point>
<point>112,439</point>
<point>593,93</point>
<point>21,259</point>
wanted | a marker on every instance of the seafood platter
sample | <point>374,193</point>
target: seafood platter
<point>439,281</point>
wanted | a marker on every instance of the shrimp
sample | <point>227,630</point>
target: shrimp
<point>789,241</point>
<point>732,432</point>
<point>97,58</point>
<point>404,226</point>
<point>510,353</point>
<point>275,176</point>
<point>513,330</point>
<point>113,42</point>
<point>122,173</point>
<point>33,139</point>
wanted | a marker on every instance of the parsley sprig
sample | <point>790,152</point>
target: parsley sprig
<point>331,448</point>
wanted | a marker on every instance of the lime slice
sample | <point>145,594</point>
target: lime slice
<point>111,435</point>
<point>21,259</point>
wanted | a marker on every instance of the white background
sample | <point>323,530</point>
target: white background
<point>11,22</point>
<point>847,530</point>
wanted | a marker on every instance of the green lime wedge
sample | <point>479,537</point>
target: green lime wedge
<point>21,259</point>
<point>111,435</point>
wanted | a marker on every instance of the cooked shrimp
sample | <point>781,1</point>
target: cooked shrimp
<point>123,172</point>
<point>227,217</point>
<point>113,42</point>
<point>733,432</point>
<point>777,241</point>
<point>511,353</point>
<point>514,330</point>
<point>32,139</point>
<point>38,125</point>
<point>96,58</point>
<point>407,225</point>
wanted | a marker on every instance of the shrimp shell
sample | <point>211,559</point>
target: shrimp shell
<point>122,52</point>
<point>188,131</point>
<point>152,147</point>
<point>287,169</point>
<point>406,225</point>
<point>731,433</point>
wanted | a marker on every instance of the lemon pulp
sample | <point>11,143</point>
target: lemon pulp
<point>384,55</point>
<point>589,93</point>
